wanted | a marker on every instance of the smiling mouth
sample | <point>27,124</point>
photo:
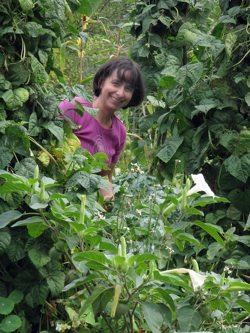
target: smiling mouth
<point>117,101</point>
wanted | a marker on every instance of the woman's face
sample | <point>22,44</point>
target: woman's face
<point>115,94</point>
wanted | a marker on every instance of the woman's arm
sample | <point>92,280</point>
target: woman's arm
<point>107,193</point>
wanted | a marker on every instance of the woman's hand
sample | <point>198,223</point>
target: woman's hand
<point>107,193</point>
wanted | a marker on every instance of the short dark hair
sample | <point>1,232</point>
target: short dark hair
<point>122,65</point>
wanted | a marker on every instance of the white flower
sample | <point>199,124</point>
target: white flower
<point>62,327</point>
<point>200,186</point>
<point>197,279</point>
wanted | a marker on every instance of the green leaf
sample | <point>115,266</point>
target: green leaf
<point>33,129</point>
<point>35,30</point>
<point>163,296</point>
<point>16,296</point>
<point>29,220</point>
<point>233,164</point>
<point>80,282</point>
<point>206,105</point>
<point>167,82</point>
<point>5,239</point>
<point>6,155</point>
<point>56,131</point>
<point>37,294</point>
<point>189,238</point>
<point>26,5</point>
<point>26,167</point>
<point>10,323</point>
<point>141,258</point>
<point>172,280</point>
<point>54,277</point>
<point>92,298</point>
<point>212,230</point>
<point>6,306</point>
<point>213,250</point>
<point>88,7</point>
<point>237,286</point>
<point>8,217</point>
<point>244,304</point>
<point>242,263</point>
<point>18,73</point>
<point>17,139</point>
<point>15,99</point>
<point>240,199</point>
<point>188,319</point>
<point>16,250</point>
<point>230,41</point>
<point>157,316</point>
<point>95,256</point>
<point>39,74</point>
<point>83,179</point>
<point>4,84</point>
<point>168,151</point>
<point>38,256</point>
<point>36,229</point>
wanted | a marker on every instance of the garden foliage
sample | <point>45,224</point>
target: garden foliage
<point>195,56</point>
<point>158,262</point>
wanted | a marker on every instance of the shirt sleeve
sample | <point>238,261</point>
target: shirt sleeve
<point>69,110</point>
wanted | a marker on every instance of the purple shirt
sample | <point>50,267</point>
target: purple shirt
<point>92,135</point>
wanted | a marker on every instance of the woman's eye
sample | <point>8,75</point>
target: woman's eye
<point>129,88</point>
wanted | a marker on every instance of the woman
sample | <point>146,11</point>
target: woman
<point>117,85</point>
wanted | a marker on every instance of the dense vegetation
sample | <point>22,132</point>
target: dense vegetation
<point>170,255</point>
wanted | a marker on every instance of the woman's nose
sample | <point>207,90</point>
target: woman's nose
<point>121,91</point>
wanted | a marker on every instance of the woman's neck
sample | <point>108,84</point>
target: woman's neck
<point>104,117</point>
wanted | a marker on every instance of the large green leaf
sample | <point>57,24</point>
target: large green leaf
<point>37,294</point>
<point>6,306</point>
<point>170,148</point>
<point>8,217</point>
<point>38,256</point>
<point>26,167</point>
<point>35,30</point>
<point>16,250</point>
<point>16,296</point>
<point>39,74</point>
<point>95,256</point>
<point>240,199</point>
<point>5,239</point>
<point>188,319</point>
<point>26,5</point>
<point>212,230</point>
<point>157,316</point>
<point>83,179</point>
<point>239,263</point>
<point>88,7</point>
<point>17,139</point>
<point>140,258</point>
<point>6,155</point>
<point>15,99</point>
<point>163,296</point>
<point>92,298</point>
<point>54,276</point>
<point>4,84</point>
<point>10,323</point>
<point>172,280</point>
<point>233,164</point>
<point>56,131</point>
